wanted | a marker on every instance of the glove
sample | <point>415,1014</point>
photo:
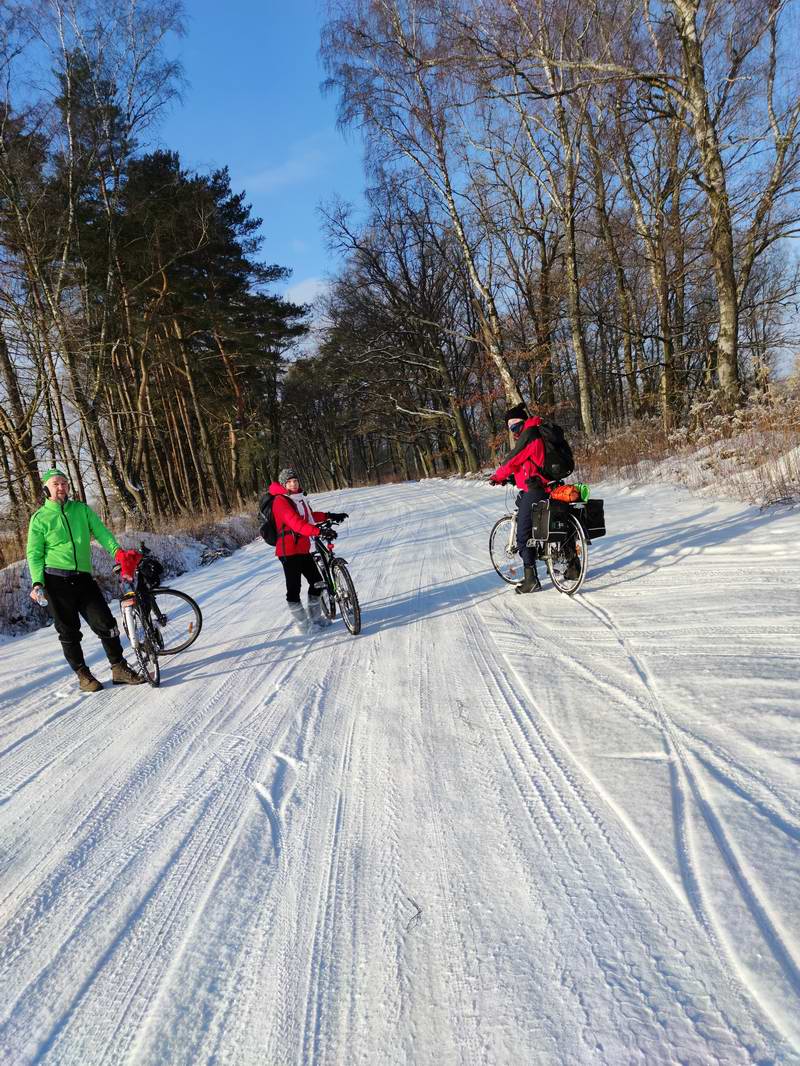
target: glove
<point>494,480</point>
<point>337,516</point>
<point>128,561</point>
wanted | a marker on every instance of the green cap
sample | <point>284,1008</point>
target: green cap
<point>53,472</point>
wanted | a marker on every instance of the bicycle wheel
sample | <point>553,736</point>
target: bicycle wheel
<point>346,595</point>
<point>503,550</point>
<point>146,654</point>
<point>568,558</point>
<point>176,620</point>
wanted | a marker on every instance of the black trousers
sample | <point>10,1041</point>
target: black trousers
<point>295,567</point>
<point>526,501</point>
<point>76,597</point>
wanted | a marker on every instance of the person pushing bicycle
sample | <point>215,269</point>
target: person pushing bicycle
<point>524,465</point>
<point>60,563</point>
<point>296,522</point>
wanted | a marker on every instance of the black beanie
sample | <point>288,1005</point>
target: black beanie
<point>519,411</point>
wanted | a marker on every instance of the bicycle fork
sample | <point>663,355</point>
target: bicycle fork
<point>511,547</point>
<point>130,619</point>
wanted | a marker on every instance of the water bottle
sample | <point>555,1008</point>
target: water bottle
<point>40,597</point>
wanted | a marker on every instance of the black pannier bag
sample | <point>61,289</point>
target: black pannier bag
<point>593,519</point>
<point>550,521</point>
<point>540,530</point>
<point>560,525</point>
<point>151,570</point>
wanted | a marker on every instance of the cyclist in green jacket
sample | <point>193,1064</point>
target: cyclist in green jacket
<point>60,560</point>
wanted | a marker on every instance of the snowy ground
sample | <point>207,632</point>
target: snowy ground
<point>491,829</point>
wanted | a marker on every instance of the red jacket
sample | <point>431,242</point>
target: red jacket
<point>294,532</point>
<point>526,458</point>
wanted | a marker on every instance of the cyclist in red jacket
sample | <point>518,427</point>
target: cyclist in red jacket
<point>524,465</point>
<point>296,523</point>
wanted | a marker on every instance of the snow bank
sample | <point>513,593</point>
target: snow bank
<point>757,466</point>
<point>742,468</point>
<point>178,553</point>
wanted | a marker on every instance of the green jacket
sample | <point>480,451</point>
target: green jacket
<point>61,537</point>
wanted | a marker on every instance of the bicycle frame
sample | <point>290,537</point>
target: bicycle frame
<point>338,584</point>
<point>136,604</point>
<point>324,553</point>
<point>542,544</point>
<point>131,611</point>
<point>135,598</point>
<point>511,547</point>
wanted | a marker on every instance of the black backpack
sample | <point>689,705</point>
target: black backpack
<point>559,461</point>
<point>267,527</point>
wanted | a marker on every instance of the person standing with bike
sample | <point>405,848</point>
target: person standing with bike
<point>296,522</point>
<point>524,465</point>
<point>60,563</point>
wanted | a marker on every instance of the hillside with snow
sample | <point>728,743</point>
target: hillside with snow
<point>491,829</point>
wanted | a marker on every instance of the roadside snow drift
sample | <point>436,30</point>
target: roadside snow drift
<point>491,829</point>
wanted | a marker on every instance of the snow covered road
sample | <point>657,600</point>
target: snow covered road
<point>491,829</point>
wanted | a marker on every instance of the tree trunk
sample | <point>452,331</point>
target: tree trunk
<point>721,241</point>
<point>544,327</point>
<point>623,291</point>
<point>210,454</point>
<point>20,424</point>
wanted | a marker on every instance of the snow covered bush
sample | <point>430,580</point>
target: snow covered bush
<point>752,454</point>
<point>178,552</point>
<point>18,613</point>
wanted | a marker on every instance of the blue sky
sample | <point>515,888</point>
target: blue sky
<point>253,103</point>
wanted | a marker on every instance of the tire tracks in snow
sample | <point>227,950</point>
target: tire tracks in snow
<point>578,837</point>
<point>282,768</point>
<point>477,639</point>
<point>687,783</point>
<point>258,736</point>
<point>338,925</point>
<point>82,872</point>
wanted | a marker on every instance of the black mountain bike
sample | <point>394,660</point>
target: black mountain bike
<point>157,621</point>
<point>339,588</point>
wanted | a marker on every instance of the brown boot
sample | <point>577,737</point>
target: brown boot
<point>121,674</point>
<point>87,682</point>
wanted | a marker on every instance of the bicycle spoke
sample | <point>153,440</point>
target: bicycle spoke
<point>503,550</point>
<point>176,618</point>
<point>347,598</point>
<point>567,559</point>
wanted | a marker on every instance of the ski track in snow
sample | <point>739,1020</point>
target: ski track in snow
<point>491,829</point>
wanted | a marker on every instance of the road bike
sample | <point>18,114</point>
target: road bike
<point>339,589</point>
<point>558,537</point>
<point>157,621</point>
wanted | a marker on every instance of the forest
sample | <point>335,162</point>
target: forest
<point>140,345</point>
<point>590,207</point>
<point>585,206</point>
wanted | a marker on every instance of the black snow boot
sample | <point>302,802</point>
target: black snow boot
<point>573,570</point>
<point>530,582</point>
